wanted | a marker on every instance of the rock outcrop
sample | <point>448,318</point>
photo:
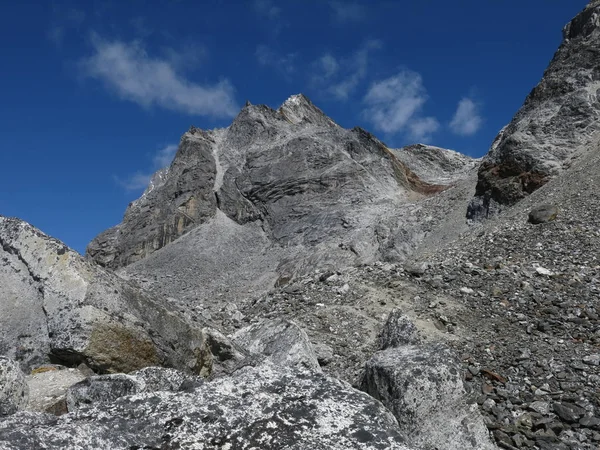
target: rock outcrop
<point>556,123</point>
<point>14,392</point>
<point>262,407</point>
<point>56,306</point>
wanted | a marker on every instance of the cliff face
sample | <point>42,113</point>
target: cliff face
<point>557,121</point>
<point>292,170</point>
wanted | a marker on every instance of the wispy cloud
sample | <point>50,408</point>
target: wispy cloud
<point>141,27</point>
<point>467,119</point>
<point>135,182</point>
<point>347,11</point>
<point>189,55</point>
<point>164,156</point>
<point>56,33</point>
<point>269,58</point>
<point>421,129</point>
<point>133,75</point>
<point>340,78</point>
<point>329,65</point>
<point>65,20</point>
<point>266,8</point>
<point>140,180</point>
<point>394,105</point>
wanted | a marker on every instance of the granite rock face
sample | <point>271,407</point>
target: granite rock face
<point>14,392</point>
<point>56,306</point>
<point>423,387</point>
<point>556,123</point>
<point>261,407</point>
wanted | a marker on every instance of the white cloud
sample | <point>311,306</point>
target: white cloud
<point>266,8</point>
<point>139,180</point>
<point>56,34</point>
<point>467,119</point>
<point>421,129</point>
<point>133,75</point>
<point>327,67</point>
<point>395,104</point>
<point>188,56</point>
<point>346,11</point>
<point>164,156</point>
<point>141,27</point>
<point>283,63</point>
<point>135,182</point>
<point>65,20</point>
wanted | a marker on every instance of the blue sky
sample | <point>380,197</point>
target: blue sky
<point>95,95</point>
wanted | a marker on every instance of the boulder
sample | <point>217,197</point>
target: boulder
<point>397,331</point>
<point>59,307</point>
<point>281,341</point>
<point>422,386</point>
<point>104,389</point>
<point>48,387</point>
<point>543,214</point>
<point>14,392</point>
<point>256,408</point>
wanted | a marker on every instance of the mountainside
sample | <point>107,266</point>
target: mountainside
<point>276,195</point>
<point>557,122</point>
<point>287,283</point>
<point>287,169</point>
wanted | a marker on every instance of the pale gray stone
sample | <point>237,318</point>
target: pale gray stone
<point>422,386</point>
<point>282,341</point>
<point>14,392</point>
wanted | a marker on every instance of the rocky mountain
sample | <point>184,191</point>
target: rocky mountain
<point>273,196</point>
<point>556,124</point>
<point>287,283</point>
<point>302,179</point>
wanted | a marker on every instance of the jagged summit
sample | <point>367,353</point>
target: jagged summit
<point>299,108</point>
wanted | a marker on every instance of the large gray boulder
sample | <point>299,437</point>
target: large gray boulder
<point>422,386</point>
<point>281,341</point>
<point>559,119</point>
<point>48,388</point>
<point>14,392</point>
<point>104,389</point>
<point>56,306</point>
<point>257,408</point>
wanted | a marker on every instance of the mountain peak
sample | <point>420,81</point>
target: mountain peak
<point>298,108</point>
<point>297,100</point>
